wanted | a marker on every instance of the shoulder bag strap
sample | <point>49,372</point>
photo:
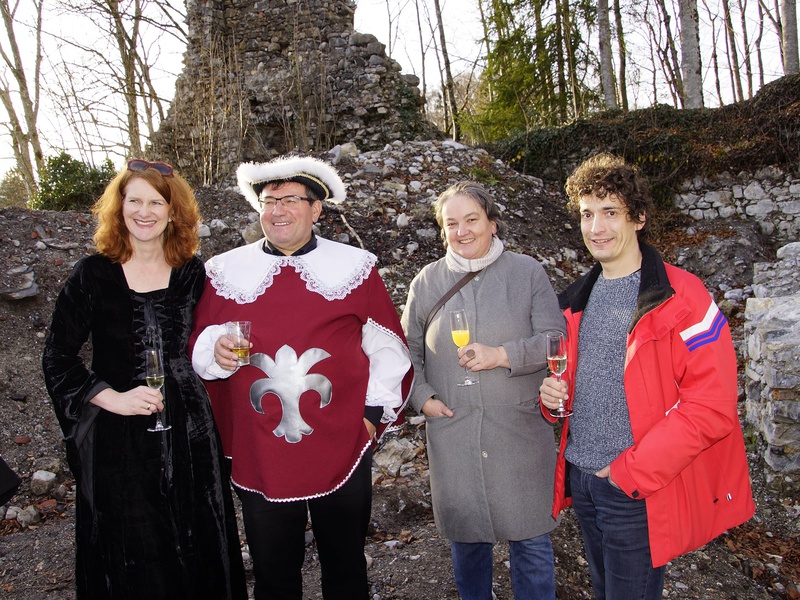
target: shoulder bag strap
<point>449,294</point>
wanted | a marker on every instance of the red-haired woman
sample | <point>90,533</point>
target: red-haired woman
<point>155,515</point>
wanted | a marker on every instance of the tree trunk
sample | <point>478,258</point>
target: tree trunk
<point>126,46</point>
<point>748,65</point>
<point>691,66</point>
<point>422,53</point>
<point>759,56</point>
<point>545,66</point>
<point>733,57</point>
<point>25,141</point>
<point>623,56</point>
<point>449,83</point>
<point>562,77</point>
<point>569,50</point>
<point>606,60</point>
<point>671,65</point>
<point>789,37</point>
<point>712,19</point>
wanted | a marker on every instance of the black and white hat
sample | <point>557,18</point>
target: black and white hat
<point>321,177</point>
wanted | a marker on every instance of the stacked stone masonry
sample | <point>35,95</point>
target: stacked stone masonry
<point>769,196</point>
<point>772,340</point>
<point>263,77</point>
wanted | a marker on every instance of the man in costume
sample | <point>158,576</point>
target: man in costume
<point>329,370</point>
<point>653,451</point>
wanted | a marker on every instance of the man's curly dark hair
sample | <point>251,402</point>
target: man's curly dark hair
<point>609,175</point>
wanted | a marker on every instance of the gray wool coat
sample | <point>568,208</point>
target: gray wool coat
<point>492,464</point>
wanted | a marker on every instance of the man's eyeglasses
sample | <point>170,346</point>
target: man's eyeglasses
<point>291,201</point>
<point>140,165</point>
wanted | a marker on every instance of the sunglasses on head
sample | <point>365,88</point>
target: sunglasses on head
<point>139,165</point>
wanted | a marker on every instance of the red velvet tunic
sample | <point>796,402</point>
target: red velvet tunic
<point>292,421</point>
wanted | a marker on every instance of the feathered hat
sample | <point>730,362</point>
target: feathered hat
<point>316,174</point>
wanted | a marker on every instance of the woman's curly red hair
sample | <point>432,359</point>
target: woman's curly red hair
<point>180,237</point>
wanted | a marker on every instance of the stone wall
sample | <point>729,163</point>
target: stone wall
<point>772,340</point>
<point>262,77</point>
<point>769,196</point>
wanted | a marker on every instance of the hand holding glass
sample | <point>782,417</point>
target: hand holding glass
<point>460,332</point>
<point>154,375</point>
<point>557,361</point>
<point>239,333</point>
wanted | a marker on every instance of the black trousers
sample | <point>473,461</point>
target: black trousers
<point>276,536</point>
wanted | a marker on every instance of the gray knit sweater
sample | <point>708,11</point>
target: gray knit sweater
<point>600,427</point>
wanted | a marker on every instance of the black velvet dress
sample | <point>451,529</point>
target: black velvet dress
<point>155,516</point>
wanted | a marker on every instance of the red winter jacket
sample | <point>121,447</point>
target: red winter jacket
<point>688,459</point>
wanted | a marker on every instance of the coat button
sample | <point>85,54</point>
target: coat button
<point>484,454</point>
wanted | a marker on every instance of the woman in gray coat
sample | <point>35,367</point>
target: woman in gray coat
<point>491,454</point>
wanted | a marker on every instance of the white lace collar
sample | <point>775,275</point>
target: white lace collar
<point>332,270</point>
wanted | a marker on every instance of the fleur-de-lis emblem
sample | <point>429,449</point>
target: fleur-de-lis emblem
<point>288,379</point>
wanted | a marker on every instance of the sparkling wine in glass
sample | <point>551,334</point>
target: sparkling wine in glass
<point>154,375</point>
<point>557,361</point>
<point>460,332</point>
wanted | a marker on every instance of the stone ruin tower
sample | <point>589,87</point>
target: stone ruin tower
<point>262,77</point>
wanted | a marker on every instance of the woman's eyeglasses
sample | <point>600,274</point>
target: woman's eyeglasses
<point>140,165</point>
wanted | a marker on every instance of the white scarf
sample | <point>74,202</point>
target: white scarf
<point>459,264</point>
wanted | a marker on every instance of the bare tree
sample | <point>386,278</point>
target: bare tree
<point>623,56</point>
<point>712,19</point>
<point>691,66</point>
<point>606,59</point>
<point>777,23</point>
<point>393,11</point>
<point>563,9</point>
<point>560,65</point>
<point>748,66</point>
<point>733,56</point>
<point>450,86</point>
<point>438,98</point>
<point>662,37</point>
<point>757,44</point>
<point>791,64</point>
<point>23,127</point>
<point>422,53</point>
<point>113,72</point>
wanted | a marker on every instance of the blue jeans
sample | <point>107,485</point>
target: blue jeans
<point>615,536</point>
<point>532,571</point>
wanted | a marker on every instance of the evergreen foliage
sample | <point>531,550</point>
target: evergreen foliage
<point>670,145</point>
<point>12,189</point>
<point>526,83</point>
<point>69,184</point>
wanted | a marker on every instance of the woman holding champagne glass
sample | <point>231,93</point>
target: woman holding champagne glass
<point>490,451</point>
<point>154,512</point>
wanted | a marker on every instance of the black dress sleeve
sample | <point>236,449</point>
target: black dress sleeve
<point>70,384</point>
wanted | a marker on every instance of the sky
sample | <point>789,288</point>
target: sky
<point>462,30</point>
<point>462,25</point>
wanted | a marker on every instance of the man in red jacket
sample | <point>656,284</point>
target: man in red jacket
<point>653,453</point>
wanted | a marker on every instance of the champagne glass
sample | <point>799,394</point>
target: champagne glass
<point>154,375</point>
<point>460,332</point>
<point>557,361</point>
